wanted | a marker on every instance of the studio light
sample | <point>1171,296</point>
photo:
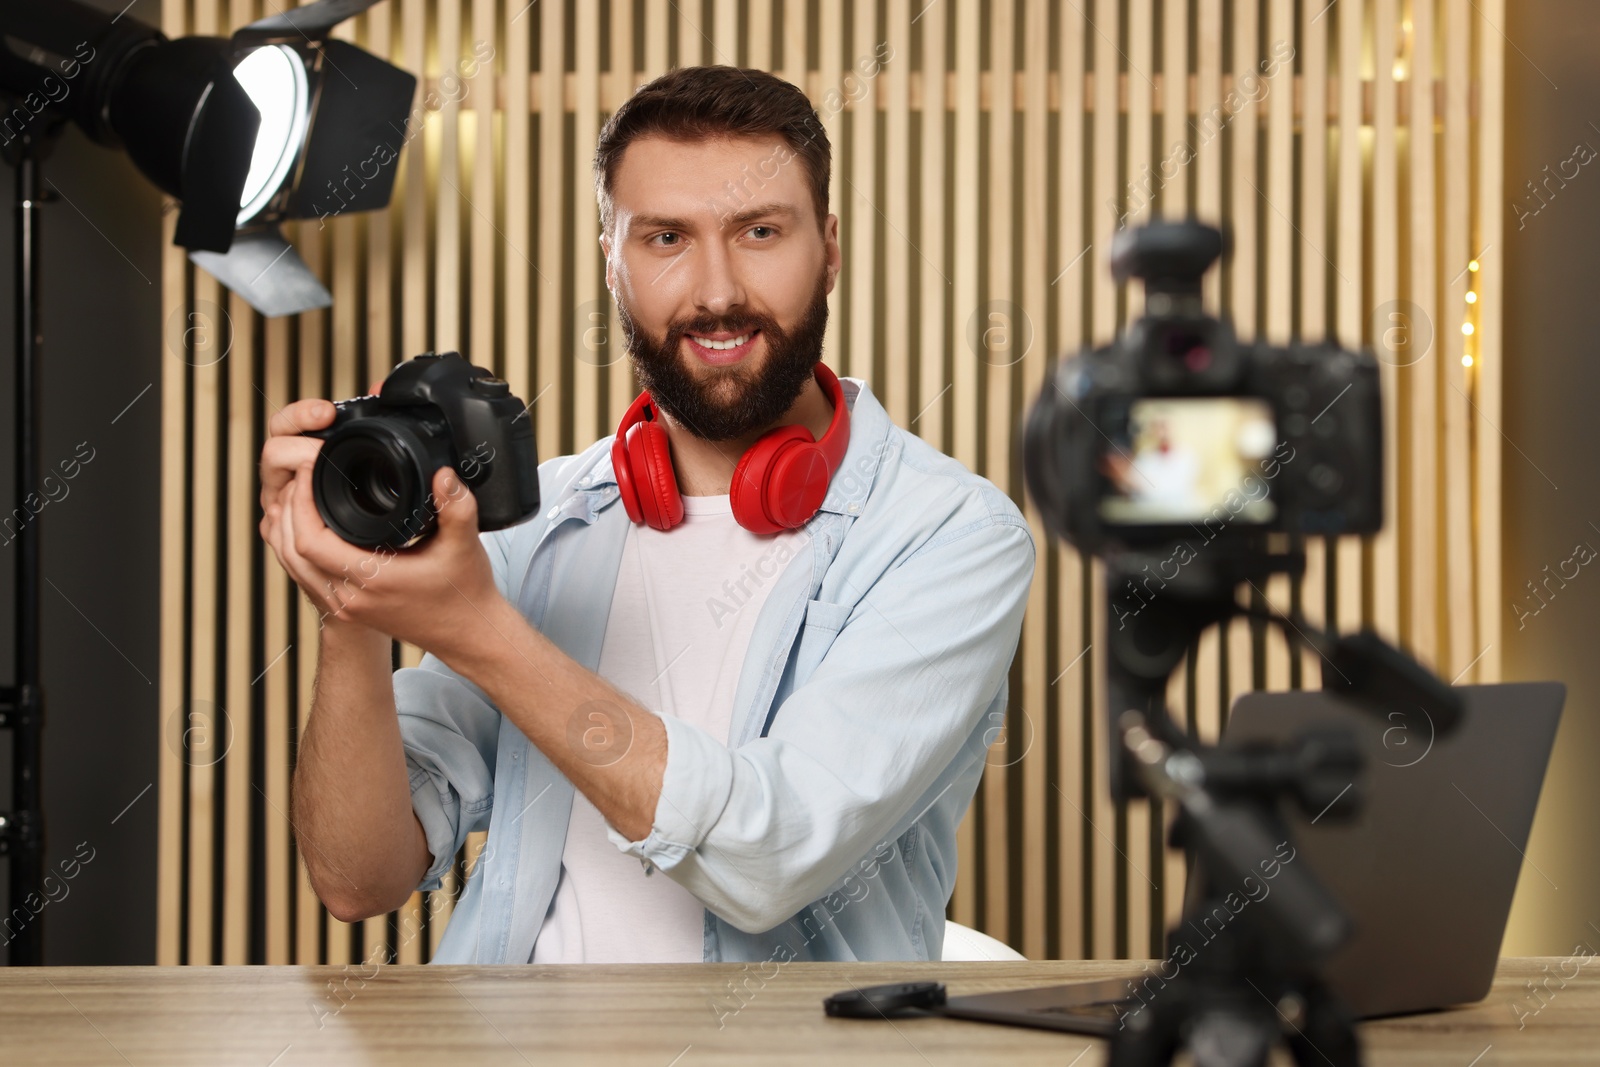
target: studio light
<point>275,80</point>
<point>278,122</point>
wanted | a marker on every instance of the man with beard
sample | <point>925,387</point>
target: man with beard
<point>729,695</point>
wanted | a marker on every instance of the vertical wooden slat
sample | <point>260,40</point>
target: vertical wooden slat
<point>414,176</point>
<point>691,35</point>
<point>618,372</point>
<point>1036,794</point>
<point>827,98</point>
<point>1247,192</point>
<point>276,591</point>
<point>1423,378</point>
<point>1385,549</point>
<point>860,204</point>
<point>758,37</point>
<point>551,372</point>
<point>1314,247</point>
<point>795,31</point>
<point>1174,197</point>
<point>1209,147</point>
<point>1101,813</point>
<point>309,915</point>
<point>203,713</point>
<point>240,551</point>
<point>725,37</point>
<point>516,281</point>
<point>483,345</point>
<point>897,250</point>
<point>440,904</point>
<point>408,946</point>
<point>1071,669</point>
<point>964,371</point>
<point>1455,250</point>
<point>933,295</point>
<point>1487,371</point>
<point>379,340</point>
<point>1277,269</point>
<point>243,544</point>
<point>447,331</point>
<point>174,560</point>
<point>656,24</point>
<point>993,364</point>
<point>586,280</point>
<point>1351,250</point>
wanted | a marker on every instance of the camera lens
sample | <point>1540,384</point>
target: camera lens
<point>374,482</point>
<point>371,484</point>
<point>1190,348</point>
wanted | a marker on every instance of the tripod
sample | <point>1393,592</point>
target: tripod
<point>1255,980</point>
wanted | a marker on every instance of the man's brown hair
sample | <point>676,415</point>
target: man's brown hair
<point>696,103</point>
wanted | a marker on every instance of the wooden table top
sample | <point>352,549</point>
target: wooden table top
<point>660,1016</point>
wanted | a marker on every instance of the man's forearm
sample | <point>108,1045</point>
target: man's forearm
<point>610,748</point>
<point>364,847</point>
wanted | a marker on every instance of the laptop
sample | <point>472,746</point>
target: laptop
<point>1426,870</point>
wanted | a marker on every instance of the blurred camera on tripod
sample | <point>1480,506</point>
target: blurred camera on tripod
<point>1177,429</point>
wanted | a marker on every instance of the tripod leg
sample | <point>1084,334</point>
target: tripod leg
<point>1327,1035</point>
<point>1147,1038</point>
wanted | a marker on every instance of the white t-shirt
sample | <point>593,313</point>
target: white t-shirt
<point>685,603</point>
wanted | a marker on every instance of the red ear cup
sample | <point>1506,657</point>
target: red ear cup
<point>752,493</point>
<point>783,479</point>
<point>800,477</point>
<point>641,457</point>
<point>650,454</point>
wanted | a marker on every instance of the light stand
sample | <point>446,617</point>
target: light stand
<point>22,704</point>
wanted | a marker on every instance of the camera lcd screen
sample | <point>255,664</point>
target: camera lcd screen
<point>1186,459</point>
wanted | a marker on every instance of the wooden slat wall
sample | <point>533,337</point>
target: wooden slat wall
<point>979,178</point>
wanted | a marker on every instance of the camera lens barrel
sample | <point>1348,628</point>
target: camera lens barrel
<point>373,479</point>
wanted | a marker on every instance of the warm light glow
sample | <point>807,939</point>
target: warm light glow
<point>1472,298</point>
<point>1473,266</point>
<point>1466,361</point>
<point>275,79</point>
<point>1466,328</point>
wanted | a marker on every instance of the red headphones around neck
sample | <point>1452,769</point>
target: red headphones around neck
<point>778,485</point>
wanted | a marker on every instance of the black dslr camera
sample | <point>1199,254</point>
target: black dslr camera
<point>373,480</point>
<point>1176,432</point>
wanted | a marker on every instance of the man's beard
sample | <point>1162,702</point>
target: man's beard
<point>727,403</point>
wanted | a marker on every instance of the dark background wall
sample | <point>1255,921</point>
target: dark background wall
<point>1552,376</point>
<point>102,320</point>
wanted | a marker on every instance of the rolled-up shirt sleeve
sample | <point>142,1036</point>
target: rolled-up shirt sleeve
<point>450,731</point>
<point>758,831</point>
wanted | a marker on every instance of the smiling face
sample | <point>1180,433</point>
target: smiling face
<point>721,275</point>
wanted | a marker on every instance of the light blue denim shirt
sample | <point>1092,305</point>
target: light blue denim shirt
<point>824,827</point>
